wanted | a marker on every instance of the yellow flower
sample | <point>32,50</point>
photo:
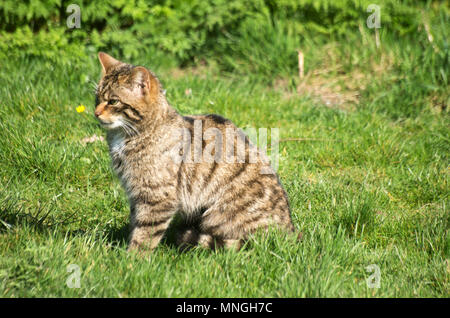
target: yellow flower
<point>80,109</point>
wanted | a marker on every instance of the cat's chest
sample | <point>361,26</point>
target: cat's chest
<point>116,147</point>
<point>117,151</point>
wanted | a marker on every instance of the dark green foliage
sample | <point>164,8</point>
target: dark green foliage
<point>188,30</point>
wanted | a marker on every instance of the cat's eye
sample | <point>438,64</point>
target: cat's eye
<point>113,102</point>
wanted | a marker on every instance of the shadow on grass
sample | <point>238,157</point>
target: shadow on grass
<point>41,219</point>
<point>118,235</point>
<point>13,213</point>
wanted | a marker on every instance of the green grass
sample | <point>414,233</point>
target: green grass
<point>367,184</point>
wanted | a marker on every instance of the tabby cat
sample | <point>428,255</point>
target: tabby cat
<point>151,144</point>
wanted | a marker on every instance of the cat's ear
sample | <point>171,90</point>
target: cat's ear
<point>141,79</point>
<point>107,62</point>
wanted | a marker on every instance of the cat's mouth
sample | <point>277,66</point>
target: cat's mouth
<point>108,122</point>
<point>108,125</point>
<point>105,124</point>
<point>118,124</point>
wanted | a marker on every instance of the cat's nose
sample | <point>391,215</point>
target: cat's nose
<point>99,109</point>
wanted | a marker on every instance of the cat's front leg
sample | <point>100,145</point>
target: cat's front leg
<point>149,222</point>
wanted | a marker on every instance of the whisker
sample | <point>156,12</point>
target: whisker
<point>94,85</point>
<point>125,128</point>
<point>128,127</point>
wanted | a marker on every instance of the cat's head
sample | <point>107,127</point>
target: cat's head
<point>126,95</point>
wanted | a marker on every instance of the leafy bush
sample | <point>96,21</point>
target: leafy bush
<point>185,30</point>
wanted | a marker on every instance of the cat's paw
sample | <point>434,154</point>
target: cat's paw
<point>139,249</point>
